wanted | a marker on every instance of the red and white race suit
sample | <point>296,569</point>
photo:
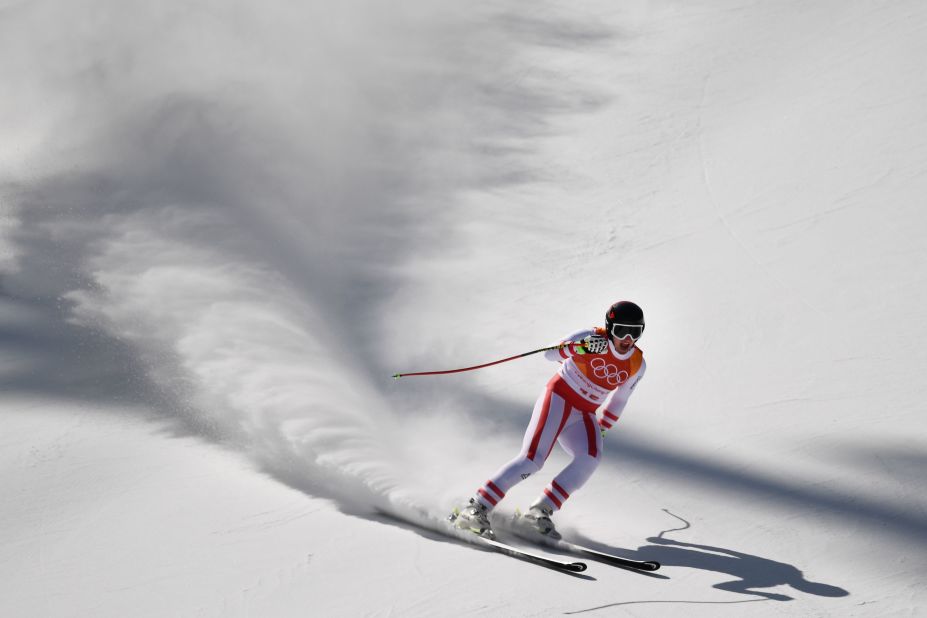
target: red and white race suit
<point>565,412</point>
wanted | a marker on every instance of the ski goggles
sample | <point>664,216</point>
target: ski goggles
<point>623,330</point>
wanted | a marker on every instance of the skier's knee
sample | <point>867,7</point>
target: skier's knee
<point>530,466</point>
<point>586,463</point>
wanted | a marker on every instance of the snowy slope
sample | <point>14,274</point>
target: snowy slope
<point>224,227</point>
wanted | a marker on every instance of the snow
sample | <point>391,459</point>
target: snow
<point>223,227</point>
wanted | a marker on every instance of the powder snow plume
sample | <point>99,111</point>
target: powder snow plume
<point>214,201</point>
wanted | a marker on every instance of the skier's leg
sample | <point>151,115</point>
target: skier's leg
<point>550,415</point>
<point>581,439</point>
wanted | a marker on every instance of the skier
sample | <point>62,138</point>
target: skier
<point>599,370</point>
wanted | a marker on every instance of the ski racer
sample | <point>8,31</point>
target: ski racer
<point>599,369</point>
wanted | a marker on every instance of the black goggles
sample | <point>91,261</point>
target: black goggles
<point>623,330</point>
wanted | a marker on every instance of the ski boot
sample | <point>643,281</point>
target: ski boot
<point>538,520</point>
<point>475,518</point>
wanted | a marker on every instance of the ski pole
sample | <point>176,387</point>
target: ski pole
<point>504,360</point>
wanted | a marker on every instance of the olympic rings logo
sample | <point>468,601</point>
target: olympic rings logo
<point>609,373</point>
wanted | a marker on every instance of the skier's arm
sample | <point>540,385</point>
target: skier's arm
<point>614,405</point>
<point>575,346</point>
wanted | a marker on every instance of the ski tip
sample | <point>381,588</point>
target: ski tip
<point>651,565</point>
<point>576,567</point>
<point>396,376</point>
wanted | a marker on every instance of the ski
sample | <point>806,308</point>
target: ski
<point>447,529</point>
<point>640,565</point>
<point>580,550</point>
<point>528,556</point>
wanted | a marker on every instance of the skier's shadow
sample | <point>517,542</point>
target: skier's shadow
<point>751,572</point>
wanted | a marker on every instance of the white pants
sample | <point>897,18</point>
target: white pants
<point>560,415</point>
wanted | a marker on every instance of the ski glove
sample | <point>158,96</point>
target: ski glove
<point>593,344</point>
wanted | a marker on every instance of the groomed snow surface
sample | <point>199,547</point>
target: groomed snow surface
<point>226,224</point>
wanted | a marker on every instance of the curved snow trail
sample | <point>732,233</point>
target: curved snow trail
<point>226,192</point>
